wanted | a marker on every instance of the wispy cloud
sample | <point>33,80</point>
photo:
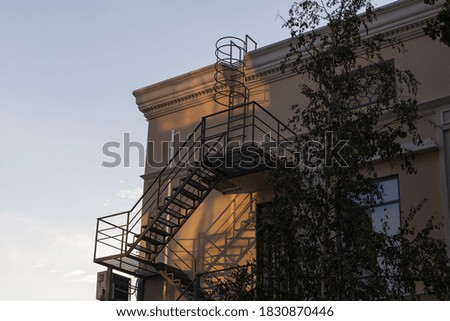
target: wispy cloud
<point>89,278</point>
<point>130,193</point>
<point>75,273</point>
<point>48,256</point>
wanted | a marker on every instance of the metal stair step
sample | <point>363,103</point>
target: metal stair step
<point>172,212</point>
<point>143,249</point>
<point>151,240</point>
<point>195,184</point>
<point>159,232</point>
<point>186,193</point>
<point>203,174</point>
<point>179,203</point>
<point>166,222</point>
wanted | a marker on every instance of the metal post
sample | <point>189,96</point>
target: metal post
<point>109,284</point>
<point>278,139</point>
<point>96,240</point>
<point>158,195</point>
<point>127,230</point>
<point>253,120</point>
<point>202,139</point>
<point>197,287</point>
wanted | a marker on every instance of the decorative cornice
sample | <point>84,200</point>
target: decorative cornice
<point>152,110</point>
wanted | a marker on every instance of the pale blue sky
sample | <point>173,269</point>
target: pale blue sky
<point>67,70</point>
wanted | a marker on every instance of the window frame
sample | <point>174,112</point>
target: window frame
<point>391,202</point>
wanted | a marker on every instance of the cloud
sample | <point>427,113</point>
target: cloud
<point>131,193</point>
<point>80,276</point>
<point>74,273</point>
<point>90,278</point>
<point>46,260</point>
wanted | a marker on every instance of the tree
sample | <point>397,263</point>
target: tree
<point>440,27</point>
<point>316,240</point>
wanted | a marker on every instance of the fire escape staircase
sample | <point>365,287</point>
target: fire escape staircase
<point>132,241</point>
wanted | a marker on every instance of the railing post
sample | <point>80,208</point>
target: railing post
<point>253,276</point>
<point>158,195</point>
<point>253,120</point>
<point>278,140</point>
<point>96,240</point>
<point>244,129</point>
<point>197,287</point>
<point>123,245</point>
<point>231,52</point>
<point>127,231</point>
<point>247,37</point>
<point>202,139</point>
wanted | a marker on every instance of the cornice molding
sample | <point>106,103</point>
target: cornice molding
<point>152,110</point>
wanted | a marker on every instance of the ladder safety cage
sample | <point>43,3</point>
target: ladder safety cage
<point>229,87</point>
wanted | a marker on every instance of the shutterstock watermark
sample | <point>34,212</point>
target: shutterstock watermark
<point>222,154</point>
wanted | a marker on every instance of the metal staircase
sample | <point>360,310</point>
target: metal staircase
<point>243,139</point>
<point>131,241</point>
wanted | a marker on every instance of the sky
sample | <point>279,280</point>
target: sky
<point>67,71</point>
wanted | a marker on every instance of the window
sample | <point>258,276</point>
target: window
<point>283,269</point>
<point>446,154</point>
<point>386,214</point>
<point>375,81</point>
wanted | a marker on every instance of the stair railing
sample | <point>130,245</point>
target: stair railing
<point>119,234</point>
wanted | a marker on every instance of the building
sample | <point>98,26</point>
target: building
<point>196,220</point>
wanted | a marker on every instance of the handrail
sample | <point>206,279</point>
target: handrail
<point>248,104</point>
<point>140,237</point>
<point>136,217</point>
<point>247,37</point>
<point>111,215</point>
<point>164,169</point>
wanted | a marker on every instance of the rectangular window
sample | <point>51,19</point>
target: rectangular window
<point>386,214</point>
<point>372,81</point>
<point>274,265</point>
<point>446,147</point>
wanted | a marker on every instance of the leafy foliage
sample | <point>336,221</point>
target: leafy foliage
<point>239,285</point>
<point>440,27</point>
